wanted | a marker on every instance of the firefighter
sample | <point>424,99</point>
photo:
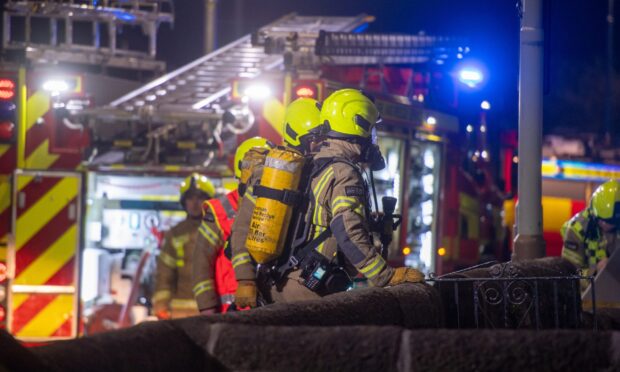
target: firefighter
<point>173,290</point>
<point>213,278</point>
<point>340,213</point>
<point>590,236</point>
<point>301,119</point>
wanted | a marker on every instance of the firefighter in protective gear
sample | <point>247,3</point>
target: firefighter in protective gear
<point>339,217</point>
<point>590,236</point>
<point>173,289</point>
<point>213,278</point>
<point>301,119</point>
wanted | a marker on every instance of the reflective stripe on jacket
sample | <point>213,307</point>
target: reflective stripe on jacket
<point>213,276</point>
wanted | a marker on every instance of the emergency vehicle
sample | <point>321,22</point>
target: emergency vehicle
<point>91,189</point>
<point>567,185</point>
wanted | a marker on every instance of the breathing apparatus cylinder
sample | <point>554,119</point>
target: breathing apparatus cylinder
<point>277,194</point>
<point>253,159</point>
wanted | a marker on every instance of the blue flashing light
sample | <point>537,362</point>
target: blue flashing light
<point>471,77</point>
<point>360,28</point>
<point>122,15</point>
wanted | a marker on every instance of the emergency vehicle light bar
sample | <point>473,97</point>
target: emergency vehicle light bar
<point>403,48</point>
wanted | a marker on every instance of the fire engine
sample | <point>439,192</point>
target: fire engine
<point>567,185</point>
<point>89,189</point>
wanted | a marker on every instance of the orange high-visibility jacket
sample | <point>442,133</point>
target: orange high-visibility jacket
<point>213,278</point>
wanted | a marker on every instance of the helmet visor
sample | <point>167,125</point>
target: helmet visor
<point>615,218</point>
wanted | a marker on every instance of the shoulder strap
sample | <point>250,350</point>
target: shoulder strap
<point>299,250</point>
<point>232,198</point>
<point>223,213</point>
<point>302,252</point>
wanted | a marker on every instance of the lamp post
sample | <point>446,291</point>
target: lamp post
<point>529,242</point>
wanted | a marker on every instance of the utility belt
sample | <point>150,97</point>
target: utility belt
<point>318,273</point>
<point>322,276</point>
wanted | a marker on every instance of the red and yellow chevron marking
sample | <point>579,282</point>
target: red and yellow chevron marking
<point>5,214</point>
<point>38,127</point>
<point>46,244</point>
<point>8,156</point>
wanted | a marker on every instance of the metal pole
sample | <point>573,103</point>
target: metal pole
<point>529,242</point>
<point>210,23</point>
<point>609,88</point>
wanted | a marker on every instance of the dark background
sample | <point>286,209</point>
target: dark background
<point>576,53</point>
<point>575,41</point>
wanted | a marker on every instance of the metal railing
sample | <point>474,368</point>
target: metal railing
<point>507,299</point>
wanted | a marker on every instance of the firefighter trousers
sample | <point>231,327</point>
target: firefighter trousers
<point>290,289</point>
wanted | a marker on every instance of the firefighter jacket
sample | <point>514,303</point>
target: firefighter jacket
<point>213,278</point>
<point>173,286</point>
<point>242,262</point>
<point>340,202</point>
<point>584,242</point>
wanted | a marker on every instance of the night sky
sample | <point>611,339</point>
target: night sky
<point>576,40</point>
<point>576,53</point>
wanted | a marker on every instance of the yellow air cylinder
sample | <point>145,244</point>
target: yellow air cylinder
<point>253,159</point>
<point>271,217</point>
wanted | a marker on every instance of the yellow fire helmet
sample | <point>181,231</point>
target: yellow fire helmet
<point>349,113</point>
<point>605,202</point>
<point>196,182</point>
<point>244,147</point>
<point>302,116</point>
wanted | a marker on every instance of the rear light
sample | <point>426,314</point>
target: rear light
<point>6,130</point>
<point>305,91</point>
<point>2,313</point>
<point>7,89</point>
<point>8,116</point>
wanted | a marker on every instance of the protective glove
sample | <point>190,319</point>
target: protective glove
<point>246,294</point>
<point>406,275</point>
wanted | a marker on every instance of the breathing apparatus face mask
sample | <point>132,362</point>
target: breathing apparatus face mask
<point>614,221</point>
<point>371,154</point>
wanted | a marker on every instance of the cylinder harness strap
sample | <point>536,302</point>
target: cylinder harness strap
<point>299,253</point>
<point>288,197</point>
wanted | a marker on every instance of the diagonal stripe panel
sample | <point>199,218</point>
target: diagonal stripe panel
<point>38,104</point>
<point>5,194</point>
<point>41,241</point>
<point>35,218</point>
<point>65,275</point>
<point>8,158</point>
<point>41,158</point>
<point>50,318</point>
<point>52,260</point>
<point>23,180</point>
<point>5,211</point>
<point>26,306</point>
<point>34,191</point>
<point>67,161</point>
<point>65,330</point>
<point>4,149</point>
<point>18,299</point>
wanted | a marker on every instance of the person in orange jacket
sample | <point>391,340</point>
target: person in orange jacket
<point>213,277</point>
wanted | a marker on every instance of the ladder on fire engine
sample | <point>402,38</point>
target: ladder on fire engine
<point>88,32</point>
<point>199,88</point>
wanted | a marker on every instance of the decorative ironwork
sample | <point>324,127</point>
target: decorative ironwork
<point>504,297</point>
